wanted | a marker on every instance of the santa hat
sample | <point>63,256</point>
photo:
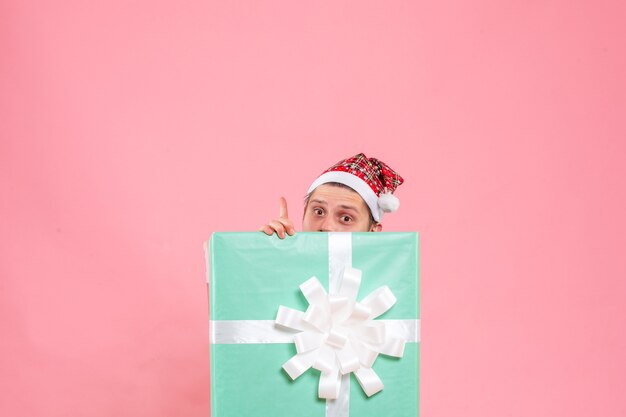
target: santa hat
<point>374,180</point>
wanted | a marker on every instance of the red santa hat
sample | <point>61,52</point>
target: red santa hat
<point>374,180</point>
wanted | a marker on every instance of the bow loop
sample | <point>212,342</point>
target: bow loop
<point>379,301</point>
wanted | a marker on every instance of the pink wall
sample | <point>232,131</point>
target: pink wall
<point>129,131</point>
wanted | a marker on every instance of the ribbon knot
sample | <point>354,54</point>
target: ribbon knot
<point>338,335</point>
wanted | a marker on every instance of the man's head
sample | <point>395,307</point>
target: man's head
<point>335,207</point>
<point>351,196</point>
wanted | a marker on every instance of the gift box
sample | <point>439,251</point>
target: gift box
<point>316,324</point>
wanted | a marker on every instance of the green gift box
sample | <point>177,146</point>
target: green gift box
<point>252,275</point>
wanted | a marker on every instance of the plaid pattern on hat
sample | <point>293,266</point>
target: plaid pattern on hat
<point>378,175</point>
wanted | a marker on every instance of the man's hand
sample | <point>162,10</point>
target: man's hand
<point>282,224</point>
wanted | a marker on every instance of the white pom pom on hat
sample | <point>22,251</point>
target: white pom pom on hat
<point>374,180</point>
<point>388,202</point>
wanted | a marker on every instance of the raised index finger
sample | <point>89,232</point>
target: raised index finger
<point>283,208</point>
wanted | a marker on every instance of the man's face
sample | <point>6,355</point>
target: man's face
<point>337,209</point>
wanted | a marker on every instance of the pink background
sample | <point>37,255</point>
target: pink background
<point>130,131</point>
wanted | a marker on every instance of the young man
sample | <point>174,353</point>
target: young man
<point>350,196</point>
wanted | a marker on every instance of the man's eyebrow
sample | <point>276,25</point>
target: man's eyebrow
<point>317,200</point>
<point>348,207</point>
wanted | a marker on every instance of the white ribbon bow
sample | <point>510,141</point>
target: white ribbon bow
<point>338,335</point>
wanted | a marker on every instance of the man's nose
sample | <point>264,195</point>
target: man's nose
<point>328,225</point>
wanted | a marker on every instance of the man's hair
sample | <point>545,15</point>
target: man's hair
<point>341,185</point>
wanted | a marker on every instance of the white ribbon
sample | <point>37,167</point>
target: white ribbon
<point>266,331</point>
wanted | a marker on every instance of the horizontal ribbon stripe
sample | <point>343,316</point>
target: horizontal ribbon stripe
<point>266,331</point>
<point>248,331</point>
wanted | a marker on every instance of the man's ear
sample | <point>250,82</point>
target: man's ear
<point>376,227</point>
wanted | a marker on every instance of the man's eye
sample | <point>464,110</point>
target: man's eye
<point>346,219</point>
<point>318,211</point>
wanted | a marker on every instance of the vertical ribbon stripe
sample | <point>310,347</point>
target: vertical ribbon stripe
<point>340,258</point>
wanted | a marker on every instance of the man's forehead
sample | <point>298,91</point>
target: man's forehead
<point>356,206</point>
<point>345,196</point>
